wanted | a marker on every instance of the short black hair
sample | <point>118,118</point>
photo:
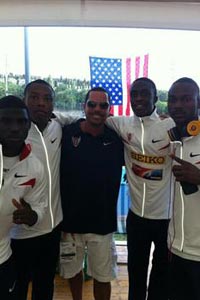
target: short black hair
<point>12,101</point>
<point>186,80</point>
<point>38,81</point>
<point>147,80</point>
<point>97,89</point>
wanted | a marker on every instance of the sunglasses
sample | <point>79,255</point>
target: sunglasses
<point>93,104</point>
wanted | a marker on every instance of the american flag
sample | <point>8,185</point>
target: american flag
<point>115,75</point>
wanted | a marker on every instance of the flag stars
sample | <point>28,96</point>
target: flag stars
<point>107,73</point>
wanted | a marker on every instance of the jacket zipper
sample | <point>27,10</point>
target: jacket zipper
<point>143,152</point>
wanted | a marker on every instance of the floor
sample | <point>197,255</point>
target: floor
<point>119,286</point>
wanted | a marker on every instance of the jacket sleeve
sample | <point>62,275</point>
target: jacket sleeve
<point>37,197</point>
<point>66,119</point>
<point>114,124</point>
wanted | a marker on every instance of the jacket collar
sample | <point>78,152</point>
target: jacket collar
<point>153,117</point>
<point>25,151</point>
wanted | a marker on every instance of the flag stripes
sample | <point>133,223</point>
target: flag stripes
<point>116,75</point>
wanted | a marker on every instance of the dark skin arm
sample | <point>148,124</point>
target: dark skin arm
<point>24,213</point>
<point>186,171</point>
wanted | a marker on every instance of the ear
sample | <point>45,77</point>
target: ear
<point>109,114</point>
<point>29,124</point>
<point>198,99</point>
<point>83,106</point>
<point>24,100</point>
<point>155,99</point>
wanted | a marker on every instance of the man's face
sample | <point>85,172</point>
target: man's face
<point>14,126</point>
<point>183,103</point>
<point>142,98</point>
<point>97,108</point>
<point>39,100</point>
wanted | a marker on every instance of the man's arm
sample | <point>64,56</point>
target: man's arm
<point>65,118</point>
<point>114,123</point>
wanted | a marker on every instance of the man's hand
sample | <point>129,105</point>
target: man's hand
<point>24,213</point>
<point>186,171</point>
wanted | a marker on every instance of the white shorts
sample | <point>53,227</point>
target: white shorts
<point>101,255</point>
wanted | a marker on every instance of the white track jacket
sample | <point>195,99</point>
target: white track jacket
<point>148,165</point>
<point>47,146</point>
<point>184,228</point>
<point>25,180</point>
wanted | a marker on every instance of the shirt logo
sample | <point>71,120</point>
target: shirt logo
<point>52,141</point>
<point>154,160</point>
<point>76,140</point>
<point>30,182</point>
<point>19,176</point>
<point>11,289</point>
<point>147,173</point>
<point>107,143</point>
<point>156,141</point>
<point>193,155</point>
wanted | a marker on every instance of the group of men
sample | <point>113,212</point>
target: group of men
<point>84,161</point>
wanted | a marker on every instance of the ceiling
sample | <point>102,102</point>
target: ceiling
<point>106,13</point>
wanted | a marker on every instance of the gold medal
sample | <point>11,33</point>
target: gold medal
<point>193,127</point>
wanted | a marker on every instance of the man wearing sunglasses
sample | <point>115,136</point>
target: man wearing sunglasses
<point>148,166</point>
<point>91,163</point>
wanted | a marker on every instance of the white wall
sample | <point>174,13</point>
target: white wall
<point>145,14</point>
